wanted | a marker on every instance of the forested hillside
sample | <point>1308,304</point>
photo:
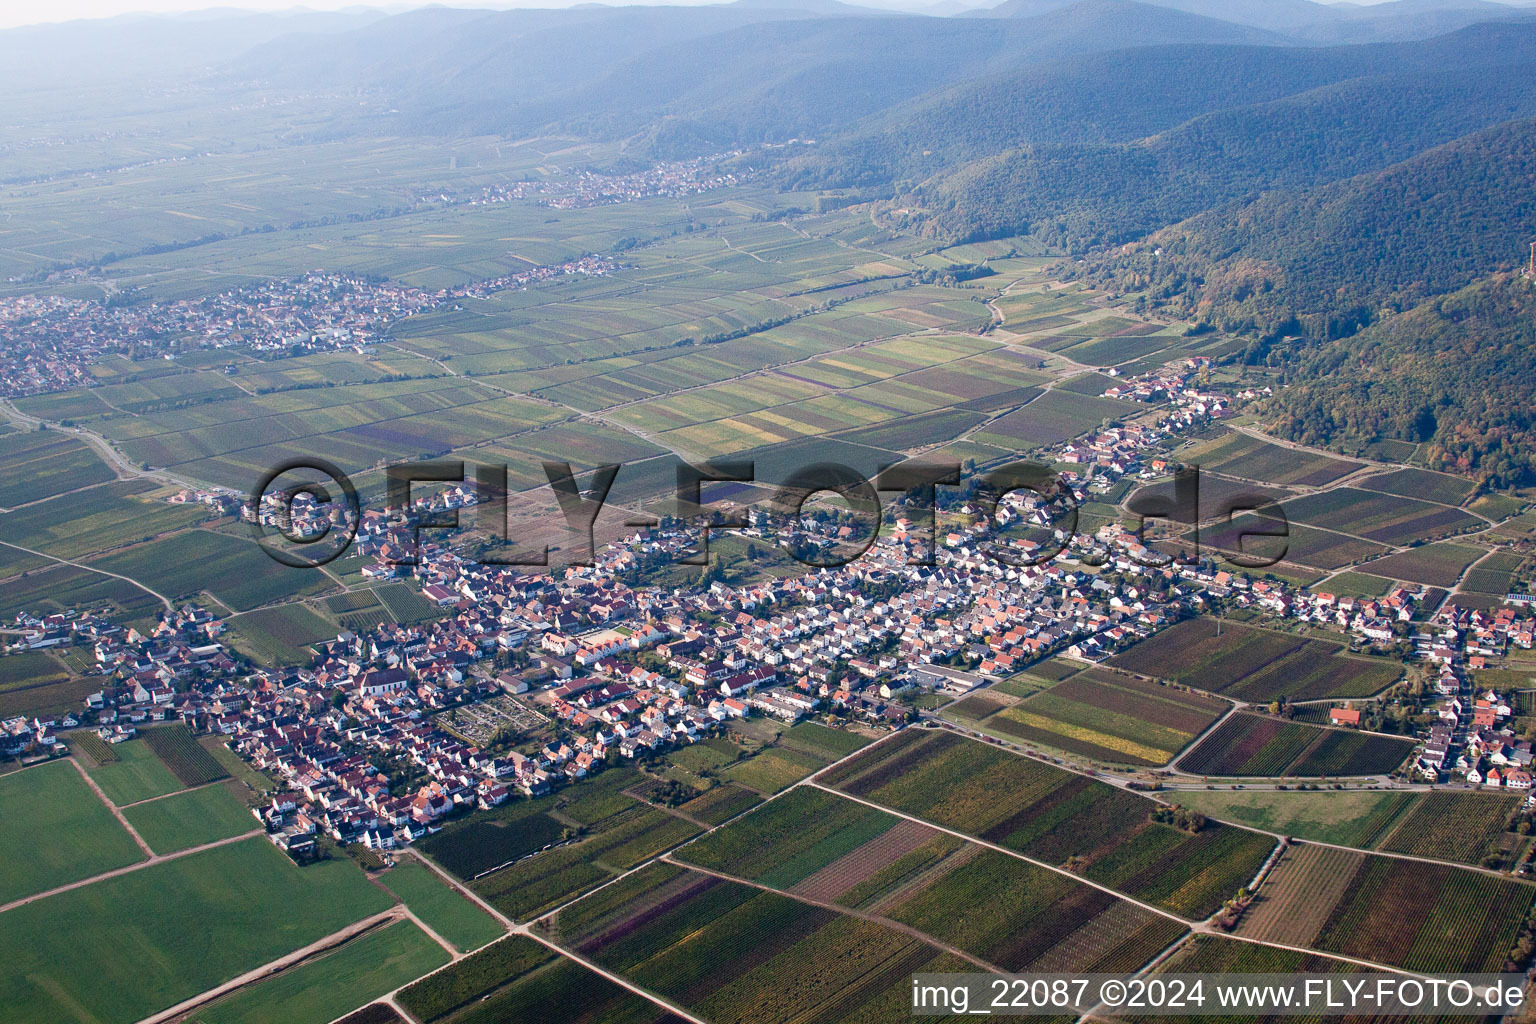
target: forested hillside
<point>1454,374</point>
<point>1324,261</point>
<point>1077,196</point>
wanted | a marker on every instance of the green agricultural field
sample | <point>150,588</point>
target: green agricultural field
<point>446,912</point>
<point>1249,458</point>
<point>1112,716</point>
<point>233,569</point>
<point>1266,538</point>
<point>43,463</point>
<point>773,769</point>
<point>28,669</point>
<point>1055,816</point>
<point>788,839</point>
<point>236,907</point>
<point>820,741</point>
<point>1357,818</point>
<point>184,820</point>
<point>770,958</point>
<point>136,775</point>
<point>105,517</point>
<point>183,755</point>
<point>721,804</point>
<point>1357,584</point>
<point>520,979</point>
<point>1049,419</point>
<point>1436,565</point>
<point>65,587</point>
<point>479,843</point>
<point>1258,745</point>
<point>1016,915</point>
<point>1421,483</point>
<point>280,635</point>
<point>620,842</point>
<point>322,989</point>
<point>1253,664</point>
<point>83,838</point>
<point>1467,828</point>
<point>1389,519</point>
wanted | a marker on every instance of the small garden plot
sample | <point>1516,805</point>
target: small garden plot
<point>1435,565</point>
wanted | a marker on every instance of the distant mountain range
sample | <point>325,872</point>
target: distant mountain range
<point>1294,170</point>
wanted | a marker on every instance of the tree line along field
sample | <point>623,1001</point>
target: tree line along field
<point>1253,664</point>
<point>1260,745</point>
<point>236,907</point>
<point>1060,818</point>
<point>1463,827</point>
<point>1001,909</point>
<point>1110,716</point>
<point>728,951</point>
<point>1402,913</point>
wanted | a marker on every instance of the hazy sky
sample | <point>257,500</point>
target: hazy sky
<point>28,12</point>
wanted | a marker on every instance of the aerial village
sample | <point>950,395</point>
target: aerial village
<point>620,671</point>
